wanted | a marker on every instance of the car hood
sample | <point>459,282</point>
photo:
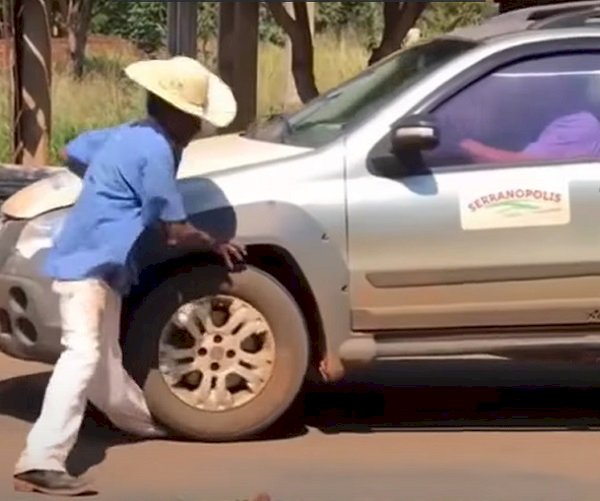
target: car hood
<point>201,157</point>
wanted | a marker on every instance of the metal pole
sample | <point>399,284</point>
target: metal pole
<point>238,57</point>
<point>182,28</point>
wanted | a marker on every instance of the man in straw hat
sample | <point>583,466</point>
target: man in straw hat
<point>129,185</point>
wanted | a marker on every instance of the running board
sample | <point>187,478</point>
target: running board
<point>365,348</point>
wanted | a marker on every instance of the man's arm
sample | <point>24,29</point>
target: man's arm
<point>480,152</point>
<point>183,234</point>
<point>163,203</point>
<point>571,136</point>
<point>86,144</point>
<point>78,153</point>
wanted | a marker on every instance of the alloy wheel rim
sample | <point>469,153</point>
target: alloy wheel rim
<point>217,354</point>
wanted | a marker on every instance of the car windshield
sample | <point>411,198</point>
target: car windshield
<point>327,117</point>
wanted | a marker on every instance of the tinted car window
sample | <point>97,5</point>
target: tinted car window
<point>539,109</point>
<point>329,116</point>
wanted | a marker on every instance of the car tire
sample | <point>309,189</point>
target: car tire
<point>291,352</point>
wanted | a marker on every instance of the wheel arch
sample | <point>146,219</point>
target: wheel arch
<point>287,241</point>
<point>274,260</point>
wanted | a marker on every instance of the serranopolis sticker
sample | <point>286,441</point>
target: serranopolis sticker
<point>515,206</point>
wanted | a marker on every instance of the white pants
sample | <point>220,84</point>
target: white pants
<point>90,367</point>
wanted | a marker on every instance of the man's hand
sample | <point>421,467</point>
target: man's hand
<point>478,152</point>
<point>183,234</point>
<point>231,253</point>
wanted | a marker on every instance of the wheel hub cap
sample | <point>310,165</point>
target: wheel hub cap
<point>217,354</point>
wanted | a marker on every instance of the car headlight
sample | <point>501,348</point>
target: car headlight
<point>39,233</point>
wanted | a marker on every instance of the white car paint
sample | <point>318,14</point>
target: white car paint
<point>201,157</point>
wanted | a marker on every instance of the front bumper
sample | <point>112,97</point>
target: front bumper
<point>29,315</point>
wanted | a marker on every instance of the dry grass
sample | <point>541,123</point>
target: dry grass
<point>336,60</point>
<point>105,98</point>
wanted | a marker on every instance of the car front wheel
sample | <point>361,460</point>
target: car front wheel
<point>220,357</point>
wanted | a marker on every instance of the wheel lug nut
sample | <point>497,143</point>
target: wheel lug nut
<point>218,339</point>
<point>214,367</point>
<point>230,354</point>
<point>202,352</point>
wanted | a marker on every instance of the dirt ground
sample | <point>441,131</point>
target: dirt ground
<point>456,431</point>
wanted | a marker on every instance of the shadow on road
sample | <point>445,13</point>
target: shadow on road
<point>459,396</point>
<point>21,397</point>
<point>415,396</point>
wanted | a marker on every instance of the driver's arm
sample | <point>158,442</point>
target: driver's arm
<point>480,152</point>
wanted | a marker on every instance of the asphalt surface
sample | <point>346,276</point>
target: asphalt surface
<point>457,431</point>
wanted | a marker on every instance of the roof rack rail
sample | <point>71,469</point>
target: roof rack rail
<point>525,19</point>
<point>558,10</point>
<point>571,19</point>
<point>541,12</point>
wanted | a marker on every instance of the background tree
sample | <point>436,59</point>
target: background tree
<point>443,17</point>
<point>398,19</point>
<point>78,18</point>
<point>298,29</point>
<point>143,23</point>
<point>72,19</point>
<point>291,97</point>
<point>380,26</point>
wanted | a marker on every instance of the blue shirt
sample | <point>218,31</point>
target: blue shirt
<point>129,185</point>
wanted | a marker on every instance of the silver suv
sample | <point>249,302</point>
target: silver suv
<point>444,202</point>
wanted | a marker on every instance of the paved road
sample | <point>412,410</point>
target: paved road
<point>420,432</point>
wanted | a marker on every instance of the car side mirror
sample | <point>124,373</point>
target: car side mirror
<point>414,134</point>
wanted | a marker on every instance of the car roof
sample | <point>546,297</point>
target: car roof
<point>557,16</point>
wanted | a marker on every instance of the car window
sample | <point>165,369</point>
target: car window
<point>546,108</point>
<point>329,116</point>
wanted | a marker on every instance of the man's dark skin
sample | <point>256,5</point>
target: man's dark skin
<point>181,129</point>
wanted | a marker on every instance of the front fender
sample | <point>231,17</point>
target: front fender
<point>294,230</point>
<point>299,207</point>
<point>317,255</point>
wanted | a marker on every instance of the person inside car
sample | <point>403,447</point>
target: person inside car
<point>568,137</point>
<point>573,134</point>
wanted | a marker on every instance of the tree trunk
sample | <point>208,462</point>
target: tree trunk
<point>303,55</point>
<point>238,57</point>
<point>399,18</point>
<point>291,96</point>
<point>299,31</point>
<point>60,18</point>
<point>78,22</point>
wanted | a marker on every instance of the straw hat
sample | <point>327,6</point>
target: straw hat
<point>187,85</point>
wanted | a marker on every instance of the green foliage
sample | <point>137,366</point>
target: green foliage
<point>110,18</point>
<point>144,22</point>
<point>208,20</point>
<point>268,29</point>
<point>148,22</point>
<point>442,17</point>
<point>364,18</point>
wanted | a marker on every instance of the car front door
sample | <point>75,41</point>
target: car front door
<point>499,225</point>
